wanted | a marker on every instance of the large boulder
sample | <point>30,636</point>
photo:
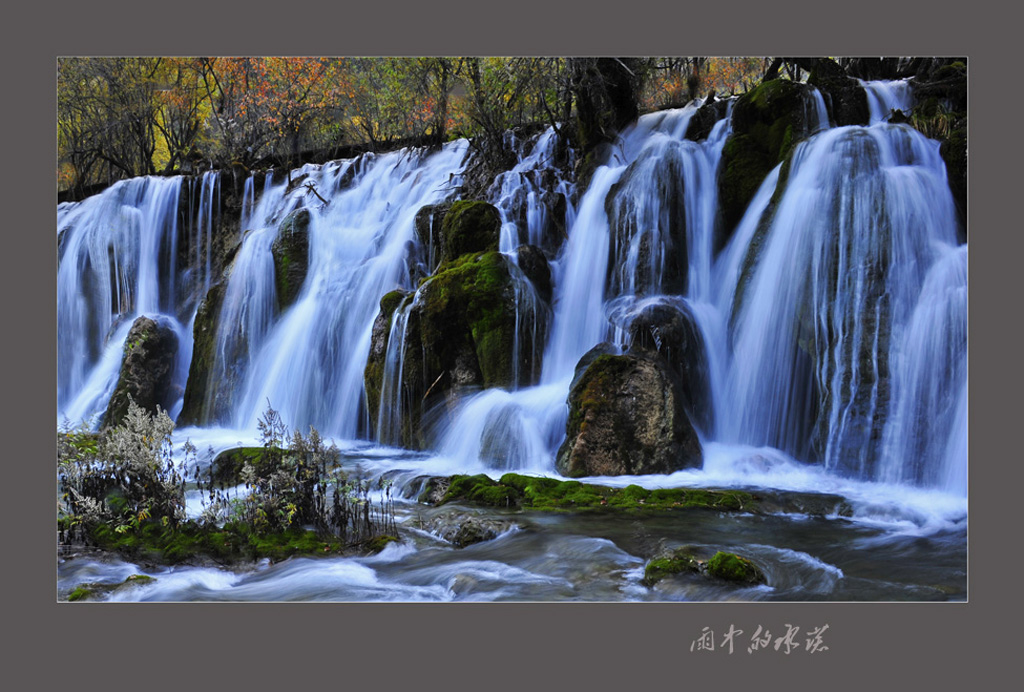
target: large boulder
<point>626,416</point>
<point>147,369</point>
<point>666,329</point>
<point>461,334</point>
<point>845,98</point>
<point>291,256</point>
<point>706,117</point>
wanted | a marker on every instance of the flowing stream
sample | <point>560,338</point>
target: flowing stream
<point>842,290</point>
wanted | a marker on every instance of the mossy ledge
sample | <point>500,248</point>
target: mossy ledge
<point>515,491</point>
<point>551,494</point>
<point>235,542</point>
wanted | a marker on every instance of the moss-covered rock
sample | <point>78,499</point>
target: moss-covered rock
<point>733,568</point>
<point>679,561</point>
<point>470,226</point>
<point>147,368</point>
<point>291,256</point>
<point>691,560</point>
<point>461,333</point>
<point>767,122</point>
<point>551,494</point>
<point>92,590</point>
<point>626,416</point>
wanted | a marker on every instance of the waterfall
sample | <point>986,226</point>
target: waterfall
<point>830,297</point>
<point>886,96</point>
<point>117,262</point>
<point>834,318</point>
<point>310,364</point>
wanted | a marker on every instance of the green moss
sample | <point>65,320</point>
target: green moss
<point>80,594</point>
<point>378,543</point>
<point>84,592</point>
<point>470,226</point>
<point>680,561</point>
<point>550,494</point>
<point>734,568</point>
<point>232,542</point>
<point>468,303</point>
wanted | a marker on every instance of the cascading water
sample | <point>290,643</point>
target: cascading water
<point>865,213</point>
<point>117,261</point>
<point>884,97</point>
<point>310,365</point>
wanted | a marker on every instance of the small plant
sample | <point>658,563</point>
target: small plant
<point>120,478</point>
<point>289,486</point>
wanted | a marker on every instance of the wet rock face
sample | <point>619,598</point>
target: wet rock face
<point>535,266</point>
<point>146,370</point>
<point>204,338</point>
<point>291,256</point>
<point>704,120</point>
<point>470,226</point>
<point>667,330</point>
<point>626,416</point>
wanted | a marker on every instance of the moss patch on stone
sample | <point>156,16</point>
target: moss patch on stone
<point>733,568</point>
<point>550,494</point>
<point>89,591</point>
<point>679,561</point>
<point>470,226</point>
<point>234,542</point>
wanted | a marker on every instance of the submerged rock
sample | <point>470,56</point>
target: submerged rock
<point>146,370</point>
<point>694,561</point>
<point>626,416</point>
<point>463,529</point>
